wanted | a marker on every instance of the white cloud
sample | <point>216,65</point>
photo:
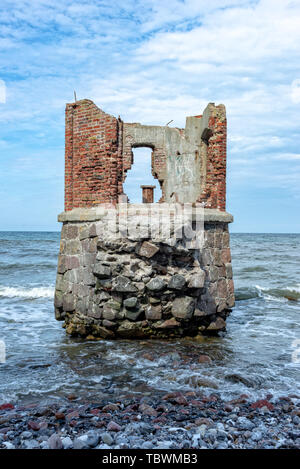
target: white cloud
<point>295,91</point>
<point>287,157</point>
<point>2,92</point>
<point>246,35</point>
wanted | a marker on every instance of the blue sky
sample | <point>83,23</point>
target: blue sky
<point>152,61</point>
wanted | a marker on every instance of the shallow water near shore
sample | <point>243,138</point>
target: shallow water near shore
<point>253,357</point>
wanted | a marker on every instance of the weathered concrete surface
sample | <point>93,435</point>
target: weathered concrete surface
<point>180,157</point>
<point>97,213</point>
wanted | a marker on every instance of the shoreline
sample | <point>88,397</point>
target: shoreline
<point>174,420</point>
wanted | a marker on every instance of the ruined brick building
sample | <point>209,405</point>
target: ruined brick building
<point>190,163</point>
<point>143,285</point>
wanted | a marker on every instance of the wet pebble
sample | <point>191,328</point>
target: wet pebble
<point>107,439</point>
<point>113,426</point>
<point>55,442</point>
<point>81,442</point>
<point>31,444</point>
<point>67,442</point>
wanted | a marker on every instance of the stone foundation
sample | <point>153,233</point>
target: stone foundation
<point>142,286</point>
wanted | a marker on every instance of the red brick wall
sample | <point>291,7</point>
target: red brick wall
<point>93,156</point>
<point>214,193</point>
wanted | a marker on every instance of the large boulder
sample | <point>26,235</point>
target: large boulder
<point>128,329</point>
<point>123,284</point>
<point>183,307</point>
<point>153,313</point>
<point>109,312</point>
<point>168,324</point>
<point>132,315</point>
<point>100,331</point>
<point>217,325</point>
<point>130,302</point>
<point>102,271</point>
<point>177,282</point>
<point>148,249</point>
<point>197,280</point>
<point>156,284</point>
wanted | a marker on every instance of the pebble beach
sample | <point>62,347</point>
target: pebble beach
<point>171,421</point>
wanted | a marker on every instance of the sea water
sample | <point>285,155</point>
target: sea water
<point>259,353</point>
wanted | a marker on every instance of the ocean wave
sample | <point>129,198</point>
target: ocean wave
<point>290,293</point>
<point>246,293</point>
<point>255,268</point>
<point>19,266</point>
<point>296,288</point>
<point>29,293</point>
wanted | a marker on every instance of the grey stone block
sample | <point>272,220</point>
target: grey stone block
<point>109,312</point>
<point>183,307</point>
<point>228,270</point>
<point>102,271</point>
<point>130,302</point>
<point>89,245</point>
<point>123,284</point>
<point>72,247</point>
<point>217,325</point>
<point>71,231</point>
<point>197,279</point>
<point>72,276</point>
<point>177,282</point>
<point>68,302</point>
<point>156,284</point>
<point>58,299</point>
<point>148,249</point>
<point>71,262</point>
<point>133,315</point>
<point>213,273</point>
<point>153,313</point>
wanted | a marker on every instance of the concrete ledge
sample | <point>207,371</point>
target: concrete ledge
<point>82,214</point>
<point>99,212</point>
<point>212,215</point>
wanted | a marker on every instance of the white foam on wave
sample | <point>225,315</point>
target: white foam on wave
<point>29,293</point>
<point>262,293</point>
<point>296,288</point>
<point>277,294</point>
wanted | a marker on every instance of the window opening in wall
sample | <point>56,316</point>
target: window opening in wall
<point>140,175</point>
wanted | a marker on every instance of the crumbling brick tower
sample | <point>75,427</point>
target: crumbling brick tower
<point>142,284</point>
